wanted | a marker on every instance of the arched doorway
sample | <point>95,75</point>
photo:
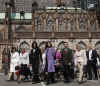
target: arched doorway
<point>42,44</point>
<point>25,45</point>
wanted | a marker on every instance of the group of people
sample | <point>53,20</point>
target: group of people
<point>53,63</point>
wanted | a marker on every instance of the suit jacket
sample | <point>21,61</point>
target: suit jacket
<point>35,57</point>
<point>93,57</point>
<point>67,55</point>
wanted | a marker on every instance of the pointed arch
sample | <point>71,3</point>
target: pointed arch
<point>25,45</point>
<point>42,44</point>
<point>61,45</point>
<point>83,45</point>
<point>50,23</point>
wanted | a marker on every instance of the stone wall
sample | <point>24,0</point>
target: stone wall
<point>55,42</point>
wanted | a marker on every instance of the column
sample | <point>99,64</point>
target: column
<point>44,22</point>
<point>33,25</point>
<point>77,23</point>
<point>97,25</point>
<point>56,25</point>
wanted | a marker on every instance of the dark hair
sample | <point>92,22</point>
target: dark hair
<point>47,46</point>
<point>13,48</point>
<point>65,42</point>
<point>34,42</point>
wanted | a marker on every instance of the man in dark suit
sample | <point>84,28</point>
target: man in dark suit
<point>92,62</point>
<point>67,56</point>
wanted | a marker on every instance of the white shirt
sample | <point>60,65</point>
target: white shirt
<point>14,58</point>
<point>24,58</point>
<point>80,56</point>
<point>90,54</point>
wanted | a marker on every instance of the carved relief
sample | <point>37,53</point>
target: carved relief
<point>39,24</point>
<point>92,24</point>
<point>82,23</point>
<point>50,24</point>
<point>60,24</point>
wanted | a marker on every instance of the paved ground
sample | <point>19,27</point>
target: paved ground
<point>3,82</point>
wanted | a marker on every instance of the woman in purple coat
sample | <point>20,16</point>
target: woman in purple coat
<point>50,56</point>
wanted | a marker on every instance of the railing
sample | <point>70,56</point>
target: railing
<point>58,35</point>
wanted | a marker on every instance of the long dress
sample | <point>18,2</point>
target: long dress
<point>35,57</point>
<point>14,61</point>
<point>50,53</point>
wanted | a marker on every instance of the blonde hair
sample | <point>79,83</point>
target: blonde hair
<point>78,46</point>
<point>90,46</point>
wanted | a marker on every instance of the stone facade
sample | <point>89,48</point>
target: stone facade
<point>52,25</point>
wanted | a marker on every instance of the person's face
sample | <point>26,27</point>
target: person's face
<point>89,46</point>
<point>35,45</point>
<point>66,44</point>
<point>23,50</point>
<point>58,50</point>
<point>78,48</point>
<point>13,50</point>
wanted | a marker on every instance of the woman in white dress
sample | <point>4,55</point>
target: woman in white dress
<point>80,61</point>
<point>14,61</point>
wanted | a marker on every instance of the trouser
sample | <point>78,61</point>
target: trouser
<point>50,77</point>
<point>35,70</point>
<point>6,69</point>
<point>80,68</point>
<point>11,75</point>
<point>92,69</point>
<point>67,72</point>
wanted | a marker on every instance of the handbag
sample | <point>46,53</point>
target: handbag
<point>17,68</point>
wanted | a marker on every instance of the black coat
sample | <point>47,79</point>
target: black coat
<point>94,56</point>
<point>34,58</point>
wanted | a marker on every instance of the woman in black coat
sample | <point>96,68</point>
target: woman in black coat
<point>35,57</point>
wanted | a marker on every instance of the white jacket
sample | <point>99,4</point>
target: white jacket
<point>80,56</point>
<point>14,58</point>
<point>14,61</point>
<point>24,58</point>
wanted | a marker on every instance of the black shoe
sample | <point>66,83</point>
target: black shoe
<point>33,82</point>
<point>47,83</point>
<point>66,81</point>
<point>38,81</point>
<point>89,79</point>
<point>53,81</point>
<point>96,79</point>
<point>80,82</point>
